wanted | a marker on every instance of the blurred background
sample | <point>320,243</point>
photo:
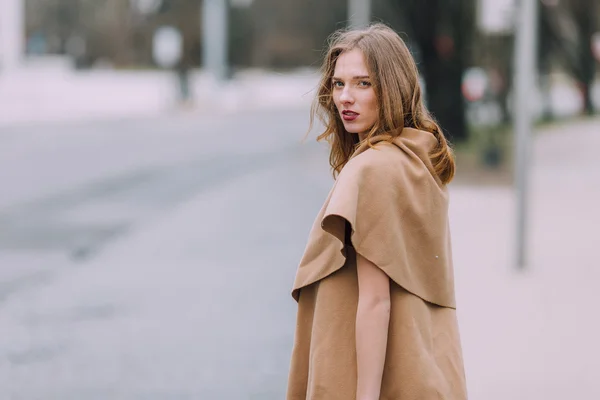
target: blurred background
<point>157,192</point>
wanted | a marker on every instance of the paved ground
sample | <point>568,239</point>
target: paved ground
<point>153,260</point>
<point>48,91</point>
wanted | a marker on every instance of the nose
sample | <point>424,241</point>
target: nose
<point>346,97</point>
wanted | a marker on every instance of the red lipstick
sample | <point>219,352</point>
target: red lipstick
<point>349,115</point>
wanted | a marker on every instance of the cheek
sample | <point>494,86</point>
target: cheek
<point>336,100</point>
<point>372,101</point>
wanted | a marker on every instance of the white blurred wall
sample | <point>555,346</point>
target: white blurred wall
<point>11,34</point>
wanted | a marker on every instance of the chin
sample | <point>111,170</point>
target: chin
<point>353,129</point>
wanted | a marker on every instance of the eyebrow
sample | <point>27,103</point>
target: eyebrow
<point>354,77</point>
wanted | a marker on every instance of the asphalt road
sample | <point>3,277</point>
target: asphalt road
<point>76,196</point>
<point>71,190</point>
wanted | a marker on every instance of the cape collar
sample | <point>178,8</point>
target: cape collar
<point>418,142</point>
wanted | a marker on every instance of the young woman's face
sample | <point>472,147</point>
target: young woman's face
<point>353,93</point>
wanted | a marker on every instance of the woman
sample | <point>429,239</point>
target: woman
<point>375,290</point>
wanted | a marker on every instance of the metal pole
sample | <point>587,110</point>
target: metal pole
<point>524,87</point>
<point>214,37</point>
<point>359,13</point>
<point>11,34</point>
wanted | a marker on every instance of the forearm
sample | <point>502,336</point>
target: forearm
<point>372,323</point>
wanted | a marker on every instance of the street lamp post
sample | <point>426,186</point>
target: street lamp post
<point>524,87</point>
<point>214,38</point>
<point>359,13</point>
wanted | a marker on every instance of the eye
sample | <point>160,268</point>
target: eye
<point>338,84</point>
<point>364,83</point>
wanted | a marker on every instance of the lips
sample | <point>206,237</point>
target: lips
<point>349,115</point>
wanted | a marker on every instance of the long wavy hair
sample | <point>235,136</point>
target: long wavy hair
<point>395,79</point>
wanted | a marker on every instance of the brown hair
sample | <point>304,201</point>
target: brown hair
<point>395,80</point>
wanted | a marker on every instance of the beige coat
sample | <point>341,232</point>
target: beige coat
<point>396,209</point>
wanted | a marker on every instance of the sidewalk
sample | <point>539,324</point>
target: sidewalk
<point>196,305</point>
<point>533,334</point>
<point>56,94</point>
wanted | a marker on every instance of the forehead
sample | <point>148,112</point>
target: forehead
<point>350,63</point>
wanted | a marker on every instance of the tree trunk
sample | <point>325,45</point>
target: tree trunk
<point>586,59</point>
<point>588,105</point>
<point>444,95</point>
<point>573,47</point>
<point>441,29</point>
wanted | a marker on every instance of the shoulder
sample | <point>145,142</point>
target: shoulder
<point>384,160</point>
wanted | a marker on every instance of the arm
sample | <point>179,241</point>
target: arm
<point>372,323</point>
